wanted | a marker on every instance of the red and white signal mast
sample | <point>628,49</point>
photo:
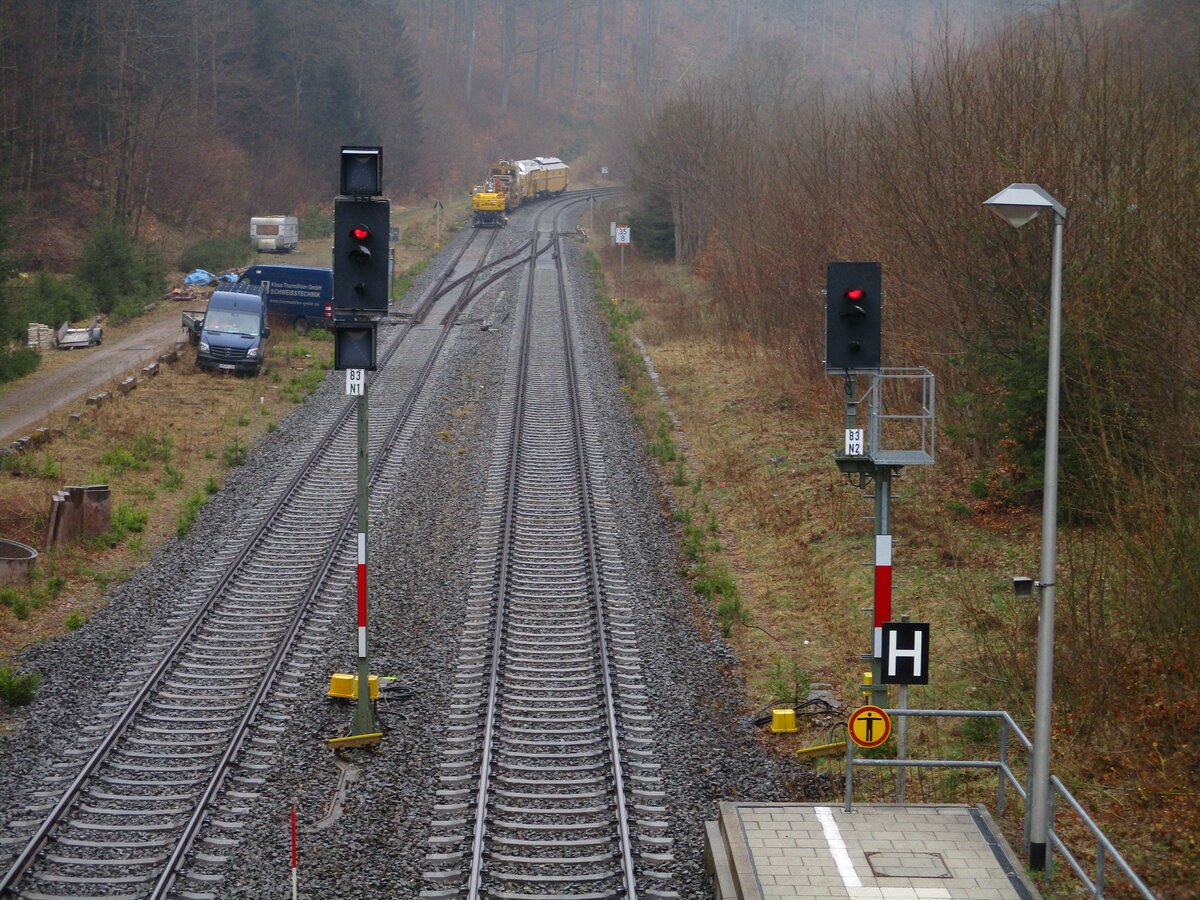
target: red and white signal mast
<point>899,423</point>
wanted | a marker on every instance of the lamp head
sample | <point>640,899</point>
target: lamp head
<point>1020,203</point>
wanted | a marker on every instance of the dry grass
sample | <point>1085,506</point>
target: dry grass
<point>167,441</point>
<point>191,425</point>
<point>798,540</point>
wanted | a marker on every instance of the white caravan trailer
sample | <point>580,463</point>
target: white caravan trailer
<point>274,234</point>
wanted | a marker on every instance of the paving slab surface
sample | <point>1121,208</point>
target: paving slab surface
<point>875,852</point>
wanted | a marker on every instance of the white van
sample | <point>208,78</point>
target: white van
<point>274,234</point>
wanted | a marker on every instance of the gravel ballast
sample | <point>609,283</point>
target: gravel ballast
<point>363,823</point>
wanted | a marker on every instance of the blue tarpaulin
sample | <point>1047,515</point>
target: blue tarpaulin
<point>200,277</point>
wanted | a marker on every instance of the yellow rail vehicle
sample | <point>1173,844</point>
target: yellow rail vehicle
<point>550,176</point>
<point>506,176</point>
<point>488,208</point>
<point>523,180</point>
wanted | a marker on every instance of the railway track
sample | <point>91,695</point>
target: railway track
<point>549,784</point>
<point>175,754</point>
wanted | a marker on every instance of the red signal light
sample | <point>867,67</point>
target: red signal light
<point>360,233</point>
<point>854,294</point>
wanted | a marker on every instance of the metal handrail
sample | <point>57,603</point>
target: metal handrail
<point>1105,849</point>
<point>922,416</point>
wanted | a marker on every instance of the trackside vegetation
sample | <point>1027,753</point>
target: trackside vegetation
<point>117,277</point>
<point>1109,125</point>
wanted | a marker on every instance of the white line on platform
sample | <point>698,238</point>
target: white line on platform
<point>837,847</point>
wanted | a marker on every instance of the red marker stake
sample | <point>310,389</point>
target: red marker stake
<point>295,859</point>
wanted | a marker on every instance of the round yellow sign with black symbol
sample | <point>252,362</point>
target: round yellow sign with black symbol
<point>869,726</point>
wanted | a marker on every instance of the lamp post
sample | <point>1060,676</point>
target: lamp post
<point>1018,204</point>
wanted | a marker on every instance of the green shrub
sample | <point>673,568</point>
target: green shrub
<point>788,681</point>
<point>42,466</point>
<point>191,509</point>
<point>234,452</point>
<point>119,460</point>
<point>172,480</point>
<point>216,254</point>
<point>125,519</point>
<point>316,224</point>
<point>18,363</point>
<point>298,387</point>
<point>663,446</point>
<point>732,611</point>
<point>18,689</point>
<point>148,446</point>
<point>17,601</point>
<point>74,620</point>
<point>24,600</point>
<point>117,274</point>
<point>46,298</point>
<point>129,518</point>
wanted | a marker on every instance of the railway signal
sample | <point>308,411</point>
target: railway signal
<point>362,171</point>
<point>853,316</point>
<point>361,284</point>
<point>360,254</point>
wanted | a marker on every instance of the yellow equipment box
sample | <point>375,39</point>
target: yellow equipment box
<point>345,687</point>
<point>783,721</point>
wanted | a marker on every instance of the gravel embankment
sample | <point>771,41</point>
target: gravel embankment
<point>421,555</point>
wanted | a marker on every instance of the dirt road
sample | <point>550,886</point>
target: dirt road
<point>67,376</point>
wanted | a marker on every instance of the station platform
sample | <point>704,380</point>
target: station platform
<point>762,851</point>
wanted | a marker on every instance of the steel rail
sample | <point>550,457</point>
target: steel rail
<point>345,531</point>
<point>475,875</point>
<point>474,884</point>
<point>71,794</point>
<point>589,531</point>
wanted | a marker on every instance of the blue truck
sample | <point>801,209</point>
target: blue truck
<point>300,296</point>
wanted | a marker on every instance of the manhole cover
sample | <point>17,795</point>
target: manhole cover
<point>891,864</point>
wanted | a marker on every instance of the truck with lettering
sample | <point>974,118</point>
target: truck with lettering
<point>300,296</point>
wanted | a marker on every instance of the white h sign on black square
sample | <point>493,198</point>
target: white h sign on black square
<point>905,653</point>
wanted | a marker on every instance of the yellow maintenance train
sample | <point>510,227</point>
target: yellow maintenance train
<point>513,182</point>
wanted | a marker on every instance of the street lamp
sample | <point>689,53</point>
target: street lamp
<point>1018,204</point>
